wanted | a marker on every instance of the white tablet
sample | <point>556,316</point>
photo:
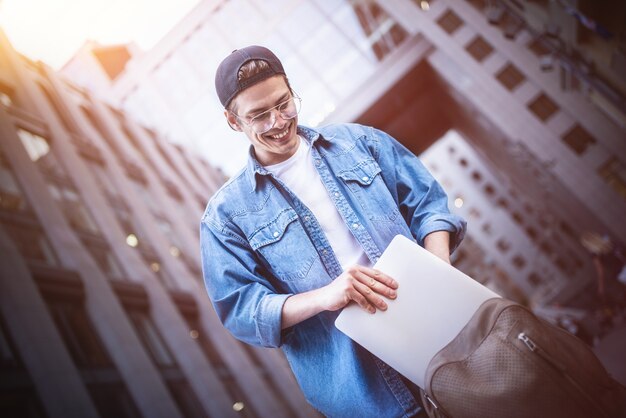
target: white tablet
<point>435,301</point>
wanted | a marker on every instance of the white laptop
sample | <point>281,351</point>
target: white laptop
<point>434,303</point>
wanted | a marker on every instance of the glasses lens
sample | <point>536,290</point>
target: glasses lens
<point>266,120</point>
<point>290,109</point>
<point>263,123</point>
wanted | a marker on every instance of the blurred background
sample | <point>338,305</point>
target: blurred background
<point>112,141</point>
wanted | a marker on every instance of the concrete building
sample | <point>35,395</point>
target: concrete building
<point>103,310</point>
<point>535,88</point>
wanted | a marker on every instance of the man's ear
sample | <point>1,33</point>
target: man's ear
<point>232,121</point>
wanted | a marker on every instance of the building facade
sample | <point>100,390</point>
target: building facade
<point>103,310</point>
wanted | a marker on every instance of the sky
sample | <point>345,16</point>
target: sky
<point>53,30</point>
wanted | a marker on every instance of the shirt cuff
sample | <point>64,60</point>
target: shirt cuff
<point>269,318</point>
<point>451,223</point>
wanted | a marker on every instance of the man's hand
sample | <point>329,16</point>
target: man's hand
<point>359,284</point>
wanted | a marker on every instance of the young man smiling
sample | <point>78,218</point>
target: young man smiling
<point>291,239</point>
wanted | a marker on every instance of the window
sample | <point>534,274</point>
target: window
<point>7,95</point>
<point>503,245</point>
<point>546,248</point>
<point>487,228</point>
<point>102,129</point>
<point>568,229</point>
<point>532,233</point>
<point>8,358</point>
<point>535,279</point>
<point>38,149</point>
<point>106,261</point>
<point>519,262</point>
<point>384,34</point>
<point>510,77</point>
<point>474,213</point>
<point>31,243</point>
<point>186,398</point>
<point>578,139</point>
<point>151,338</point>
<point>450,22</point>
<point>169,234</point>
<point>144,193</point>
<point>36,146</point>
<point>538,47</point>
<point>562,264</point>
<point>489,189</point>
<point>73,208</point>
<point>478,4</point>
<point>104,181</point>
<point>543,107</point>
<point>133,235</point>
<point>476,176</point>
<point>517,217</point>
<point>113,400</point>
<point>11,196</point>
<point>479,48</point>
<point>614,173</point>
<point>59,108</point>
<point>78,333</point>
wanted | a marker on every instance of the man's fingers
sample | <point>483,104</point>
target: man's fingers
<point>356,296</point>
<point>371,297</point>
<point>379,276</point>
<point>377,286</point>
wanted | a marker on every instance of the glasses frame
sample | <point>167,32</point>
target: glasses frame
<point>271,110</point>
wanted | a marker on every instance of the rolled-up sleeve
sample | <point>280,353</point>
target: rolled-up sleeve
<point>421,199</point>
<point>244,300</point>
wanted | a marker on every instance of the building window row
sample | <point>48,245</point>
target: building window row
<point>64,296</point>
<point>613,172</point>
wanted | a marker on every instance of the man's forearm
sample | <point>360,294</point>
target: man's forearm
<point>300,307</point>
<point>359,284</point>
<point>438,243</point>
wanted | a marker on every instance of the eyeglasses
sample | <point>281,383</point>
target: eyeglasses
<point>265,121</point>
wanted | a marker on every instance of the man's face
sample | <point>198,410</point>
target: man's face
<point>281,141</point>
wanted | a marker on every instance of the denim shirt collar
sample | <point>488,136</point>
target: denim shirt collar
<point>254,168</point>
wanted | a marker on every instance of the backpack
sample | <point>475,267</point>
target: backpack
<point>506,362</point>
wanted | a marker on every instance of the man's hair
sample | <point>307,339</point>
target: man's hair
<point>249,70</point>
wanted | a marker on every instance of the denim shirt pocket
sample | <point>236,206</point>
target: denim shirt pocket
<point>283,243</point>
<point>364,180</point>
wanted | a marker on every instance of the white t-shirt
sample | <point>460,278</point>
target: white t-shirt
<point>300,175</point>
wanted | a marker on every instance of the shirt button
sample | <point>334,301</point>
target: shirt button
<point>336,194</point>
<point>324,252</point>
<point>307,218</point>
<point>317,162</point>
<point>355,225</point>
<point>275,234</point>
<point>365,178</point>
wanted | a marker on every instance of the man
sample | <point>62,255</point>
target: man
<point>291,239</point>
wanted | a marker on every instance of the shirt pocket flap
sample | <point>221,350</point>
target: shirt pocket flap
<point>273,230</point>
<point>363,173</point>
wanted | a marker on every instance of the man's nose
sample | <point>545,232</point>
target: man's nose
<point>279,121</point>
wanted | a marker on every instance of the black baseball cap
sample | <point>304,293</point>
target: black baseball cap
<point>226,83</point>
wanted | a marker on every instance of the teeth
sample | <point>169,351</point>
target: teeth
<point>280,135</point>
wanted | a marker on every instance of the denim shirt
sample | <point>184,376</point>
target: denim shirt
<point>260,244</point>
